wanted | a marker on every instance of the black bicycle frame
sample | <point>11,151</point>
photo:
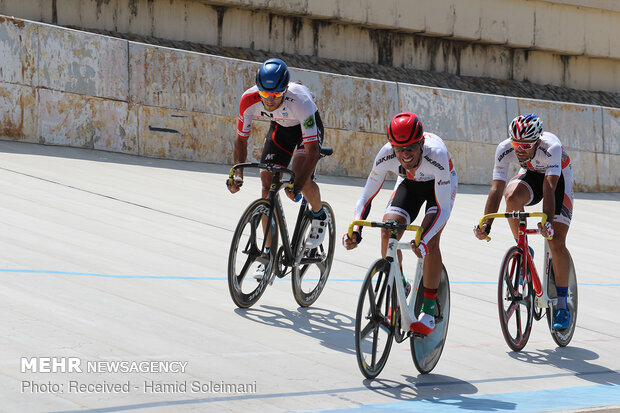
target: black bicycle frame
<point>277,209</point>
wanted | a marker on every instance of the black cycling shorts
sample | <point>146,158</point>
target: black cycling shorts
<point>533,181</point>
<point>409,197</point>
<point>282,142</point>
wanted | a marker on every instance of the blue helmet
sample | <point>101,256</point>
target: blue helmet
<point>272,76</point>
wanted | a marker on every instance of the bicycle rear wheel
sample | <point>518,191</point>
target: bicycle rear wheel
<point>310,276</point>
<point>375,320</point>
<point>515,301</point>
<point>247,251</point>
<point>426,351</point>
<point>563,337</point>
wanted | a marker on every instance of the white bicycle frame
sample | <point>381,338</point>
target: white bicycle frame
<point>406,317</point>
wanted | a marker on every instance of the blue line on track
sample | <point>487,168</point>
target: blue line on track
<point>570,398</point>
<point>183,277</point>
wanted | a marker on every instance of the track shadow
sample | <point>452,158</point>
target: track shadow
<point>573,359</point>
<point>334,330</point>
<point>438,390</point>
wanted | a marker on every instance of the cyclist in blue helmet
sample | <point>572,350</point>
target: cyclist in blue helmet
<point>295,133</point>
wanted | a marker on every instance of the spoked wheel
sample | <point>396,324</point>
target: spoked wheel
<point>515,301</point>
<point>375,320</point>
<point>426,350</point>
<point>563,337</point>
<point>310,276</point>
<point>248,251</point>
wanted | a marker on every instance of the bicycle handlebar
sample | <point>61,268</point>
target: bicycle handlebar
<point>389,225</point>
<point>515,215</point>
<point>265,166</point>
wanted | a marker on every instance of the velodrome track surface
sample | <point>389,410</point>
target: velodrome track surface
<point>109,257</point>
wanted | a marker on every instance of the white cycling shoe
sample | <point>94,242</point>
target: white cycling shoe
<point>259,273</point>
<point>318,228</point>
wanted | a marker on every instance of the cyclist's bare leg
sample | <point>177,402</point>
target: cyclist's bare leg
<point>265,178</point>
<point>559,252</point>
<point>516,196</point>
<point>433,263</point>
<point>310,189</point>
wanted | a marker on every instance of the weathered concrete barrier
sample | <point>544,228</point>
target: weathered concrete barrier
<point>65,87</point>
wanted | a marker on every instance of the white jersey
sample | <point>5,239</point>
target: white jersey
<point>549,158</point>
<point>298,108</point>
<point>436,164</point>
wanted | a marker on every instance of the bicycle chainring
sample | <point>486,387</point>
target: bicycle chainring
<point>281,269</point>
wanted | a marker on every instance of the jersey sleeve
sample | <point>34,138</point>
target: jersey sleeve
<point>504,154</point>
<point>305,114</point>
<point>382,164</point>
<point>244,124</point>
<point>443,196</point>
<point>554,167</point>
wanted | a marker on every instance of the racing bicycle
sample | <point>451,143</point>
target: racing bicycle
<point>521,296</point>
<point>384,313</point>
<point>255,242</point>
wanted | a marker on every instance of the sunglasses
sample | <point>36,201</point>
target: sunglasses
<point>522,145</point>
<point>409,148</point>
<point>267,95</point>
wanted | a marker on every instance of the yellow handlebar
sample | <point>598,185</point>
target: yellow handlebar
<point>365,223</point>
<point>515,215</point>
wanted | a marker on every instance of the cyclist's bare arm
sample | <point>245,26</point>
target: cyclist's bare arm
<point>240,153</point>
<point>492,205</point>
<point>549,184</point>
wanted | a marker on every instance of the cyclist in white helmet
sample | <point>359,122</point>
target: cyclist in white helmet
<point>546,174</point>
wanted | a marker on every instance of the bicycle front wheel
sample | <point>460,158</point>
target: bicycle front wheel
<point>563,337</point>
<point>515,300</point>
<point>310,276</point>
<point>426,350</point>
<point>248,251</point>
<point>375,320</point>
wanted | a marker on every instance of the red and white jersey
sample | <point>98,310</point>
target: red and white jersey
<point>298,108</point>
<point>436,164</point>
<point>549,158</point>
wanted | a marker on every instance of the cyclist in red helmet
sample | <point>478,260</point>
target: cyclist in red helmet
<point>425,175</point>
<point>546,174</point>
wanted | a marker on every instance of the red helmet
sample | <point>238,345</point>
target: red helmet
<point>406,128</point>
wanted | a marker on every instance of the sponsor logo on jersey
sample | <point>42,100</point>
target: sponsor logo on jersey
<point>544,150</point>
<point>309,122</point>
<point>442,182</point>
<point>434,163</point>
<point>266,114</point>
<point>506,152</point>
<point>284,113</point>
<point>385,158</point>
<point>270,156</point>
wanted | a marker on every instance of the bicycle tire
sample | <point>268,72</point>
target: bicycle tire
<point>375,320</point>
<point>305,290</point>
<point>563,337</point>
<point>246,236</point>
<point>513,296</point>
<point>426,351</point>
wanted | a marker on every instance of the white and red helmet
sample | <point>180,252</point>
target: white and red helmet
<point>526,128</point>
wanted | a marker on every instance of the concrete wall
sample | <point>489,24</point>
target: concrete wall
<point>64,87</point>
<point>572,43</point>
